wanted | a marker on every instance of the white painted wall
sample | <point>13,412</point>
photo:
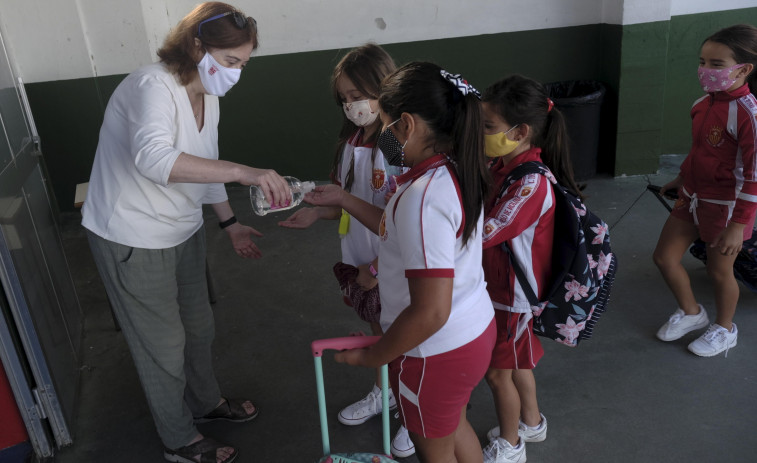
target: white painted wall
<point>680,7</point>
<point>66,39</point>
<point>645,11</point>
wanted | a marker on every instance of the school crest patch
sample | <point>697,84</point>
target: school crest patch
<point>377,180</point>
<point>715,136</point>
<point>382,227</point>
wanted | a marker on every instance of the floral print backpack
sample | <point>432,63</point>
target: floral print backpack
<point>583,267</point>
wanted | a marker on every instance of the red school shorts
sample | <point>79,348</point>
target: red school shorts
<point>433,390</point>
<point>510,353</point>
<point>713,218</point>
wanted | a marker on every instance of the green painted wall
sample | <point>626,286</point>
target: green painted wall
<point>640,101</point>
<point>281,114</point>
<point>681,86</point>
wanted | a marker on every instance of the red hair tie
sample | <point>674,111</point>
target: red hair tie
<point>550,104</point>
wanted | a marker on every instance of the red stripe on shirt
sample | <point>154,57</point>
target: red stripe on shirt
<point>430,273</point>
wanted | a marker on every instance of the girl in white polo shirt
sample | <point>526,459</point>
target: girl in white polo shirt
<point>436,313</point>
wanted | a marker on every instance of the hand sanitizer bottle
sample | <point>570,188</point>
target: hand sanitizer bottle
<point>261,206</point>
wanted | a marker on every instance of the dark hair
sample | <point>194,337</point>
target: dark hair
<point>742,40</point>
<point>365,66</point>
<point>178,52</point>
<point>455,121</point>
<point>520,100</point>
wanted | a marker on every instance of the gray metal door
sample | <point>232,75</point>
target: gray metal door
<point>40,323</point>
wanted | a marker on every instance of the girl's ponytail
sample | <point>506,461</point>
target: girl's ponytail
<point>468,152</point>
<point>555,151</point>
<point>751,80</point>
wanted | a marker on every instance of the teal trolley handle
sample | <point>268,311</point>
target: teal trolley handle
<point>349,342</point>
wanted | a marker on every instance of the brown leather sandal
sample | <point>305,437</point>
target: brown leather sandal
<point>230,410</point>
<point>207,448</point>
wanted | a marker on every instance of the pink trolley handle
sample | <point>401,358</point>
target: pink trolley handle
<point>344,343</point>
<point>348,342</point>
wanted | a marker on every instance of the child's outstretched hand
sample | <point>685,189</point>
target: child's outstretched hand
<point>302,218</point>
<point>730,240</point>
<point>326,195</point>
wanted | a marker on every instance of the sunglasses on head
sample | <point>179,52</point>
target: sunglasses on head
<point>239,20</point>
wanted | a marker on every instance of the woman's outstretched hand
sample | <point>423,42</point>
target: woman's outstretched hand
<point>242,242</point>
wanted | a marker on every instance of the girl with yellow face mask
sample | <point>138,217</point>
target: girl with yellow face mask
<point>498,144</point>
<point>521,125</point>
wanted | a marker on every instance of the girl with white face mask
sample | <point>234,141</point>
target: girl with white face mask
<point>361,168</point>
<point>156,165</point>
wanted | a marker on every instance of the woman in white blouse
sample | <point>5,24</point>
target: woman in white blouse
<point>156,165</point>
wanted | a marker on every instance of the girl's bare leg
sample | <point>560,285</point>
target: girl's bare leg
<point>675,238</point>
<point>506,402</point>
<point>525,383</point>
<point>720,271</point>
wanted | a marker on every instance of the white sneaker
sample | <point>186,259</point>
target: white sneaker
<point>365,408</point>
<point>402,446</point>
<point>527,433</point>
<point>501,451</point>
<point>714,341</point>
<point>679,324</point>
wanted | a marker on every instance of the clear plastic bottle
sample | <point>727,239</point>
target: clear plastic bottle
<point>261,206</point>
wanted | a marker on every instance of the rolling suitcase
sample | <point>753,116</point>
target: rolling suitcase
<point>351,342</point>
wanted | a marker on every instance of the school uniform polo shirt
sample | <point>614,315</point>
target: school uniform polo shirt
<point>370,183</point>
<point>421,237</point>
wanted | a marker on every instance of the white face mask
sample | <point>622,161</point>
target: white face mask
<point>360,113</point>
<point>216,78</point>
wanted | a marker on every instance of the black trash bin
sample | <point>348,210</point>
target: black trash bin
<point>580,102</point>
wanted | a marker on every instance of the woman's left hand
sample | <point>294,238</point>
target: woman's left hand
<point>241,240</point>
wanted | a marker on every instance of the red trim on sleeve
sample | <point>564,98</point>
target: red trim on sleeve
<point>430,273</point>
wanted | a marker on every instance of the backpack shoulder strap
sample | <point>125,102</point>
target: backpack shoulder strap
<point>530,167</point>
<point>520,171</point>
<point>527,290</point>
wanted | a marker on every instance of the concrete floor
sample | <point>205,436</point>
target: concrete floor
<point>622,396</point>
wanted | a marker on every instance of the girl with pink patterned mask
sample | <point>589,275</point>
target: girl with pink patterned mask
<point>717,191</point>
<point>725,66</point>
